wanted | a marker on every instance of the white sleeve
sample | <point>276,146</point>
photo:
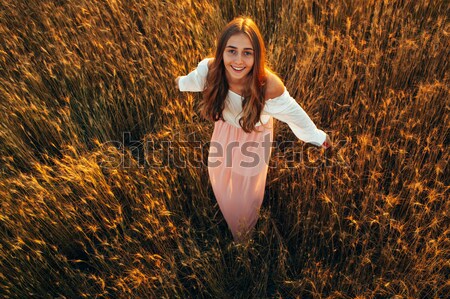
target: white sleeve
<point>286,109</point>
<point>195,80</point>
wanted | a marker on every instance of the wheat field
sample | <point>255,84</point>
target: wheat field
<point>105,193</point>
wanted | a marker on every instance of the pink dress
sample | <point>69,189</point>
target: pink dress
<point>238,161</point>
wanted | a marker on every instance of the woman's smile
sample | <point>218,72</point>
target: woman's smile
<point>237,69</point>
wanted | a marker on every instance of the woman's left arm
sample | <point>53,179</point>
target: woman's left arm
<point>286,109</point>
<point>282,106</point>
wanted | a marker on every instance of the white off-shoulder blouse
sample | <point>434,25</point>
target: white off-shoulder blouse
<point>283,107</point>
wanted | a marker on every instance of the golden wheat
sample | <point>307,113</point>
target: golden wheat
<point>104,184</point>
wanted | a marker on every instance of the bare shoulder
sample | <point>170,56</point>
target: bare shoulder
<point>275,86</point>
<point>210,62</point>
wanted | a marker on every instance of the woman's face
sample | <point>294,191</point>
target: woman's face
<point>238,57</point>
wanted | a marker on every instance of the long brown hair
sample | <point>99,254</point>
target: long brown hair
<point>216,87</point>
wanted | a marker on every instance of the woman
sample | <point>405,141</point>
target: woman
<point>242,96</point>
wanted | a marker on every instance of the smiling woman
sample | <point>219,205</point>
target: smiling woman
<point>238,60</point>
<point>241,95</point>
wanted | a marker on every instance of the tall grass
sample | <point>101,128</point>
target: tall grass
<point>95,204</point>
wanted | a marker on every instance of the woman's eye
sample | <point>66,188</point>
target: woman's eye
<point>231,51</point>
<point>248,53</point>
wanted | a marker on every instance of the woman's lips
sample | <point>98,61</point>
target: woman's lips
<point>238,69</point>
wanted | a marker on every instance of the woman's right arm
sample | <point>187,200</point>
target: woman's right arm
<point>195,80</point>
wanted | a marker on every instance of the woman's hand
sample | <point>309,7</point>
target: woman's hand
<point>176,81</point>
<point>327,143</point>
